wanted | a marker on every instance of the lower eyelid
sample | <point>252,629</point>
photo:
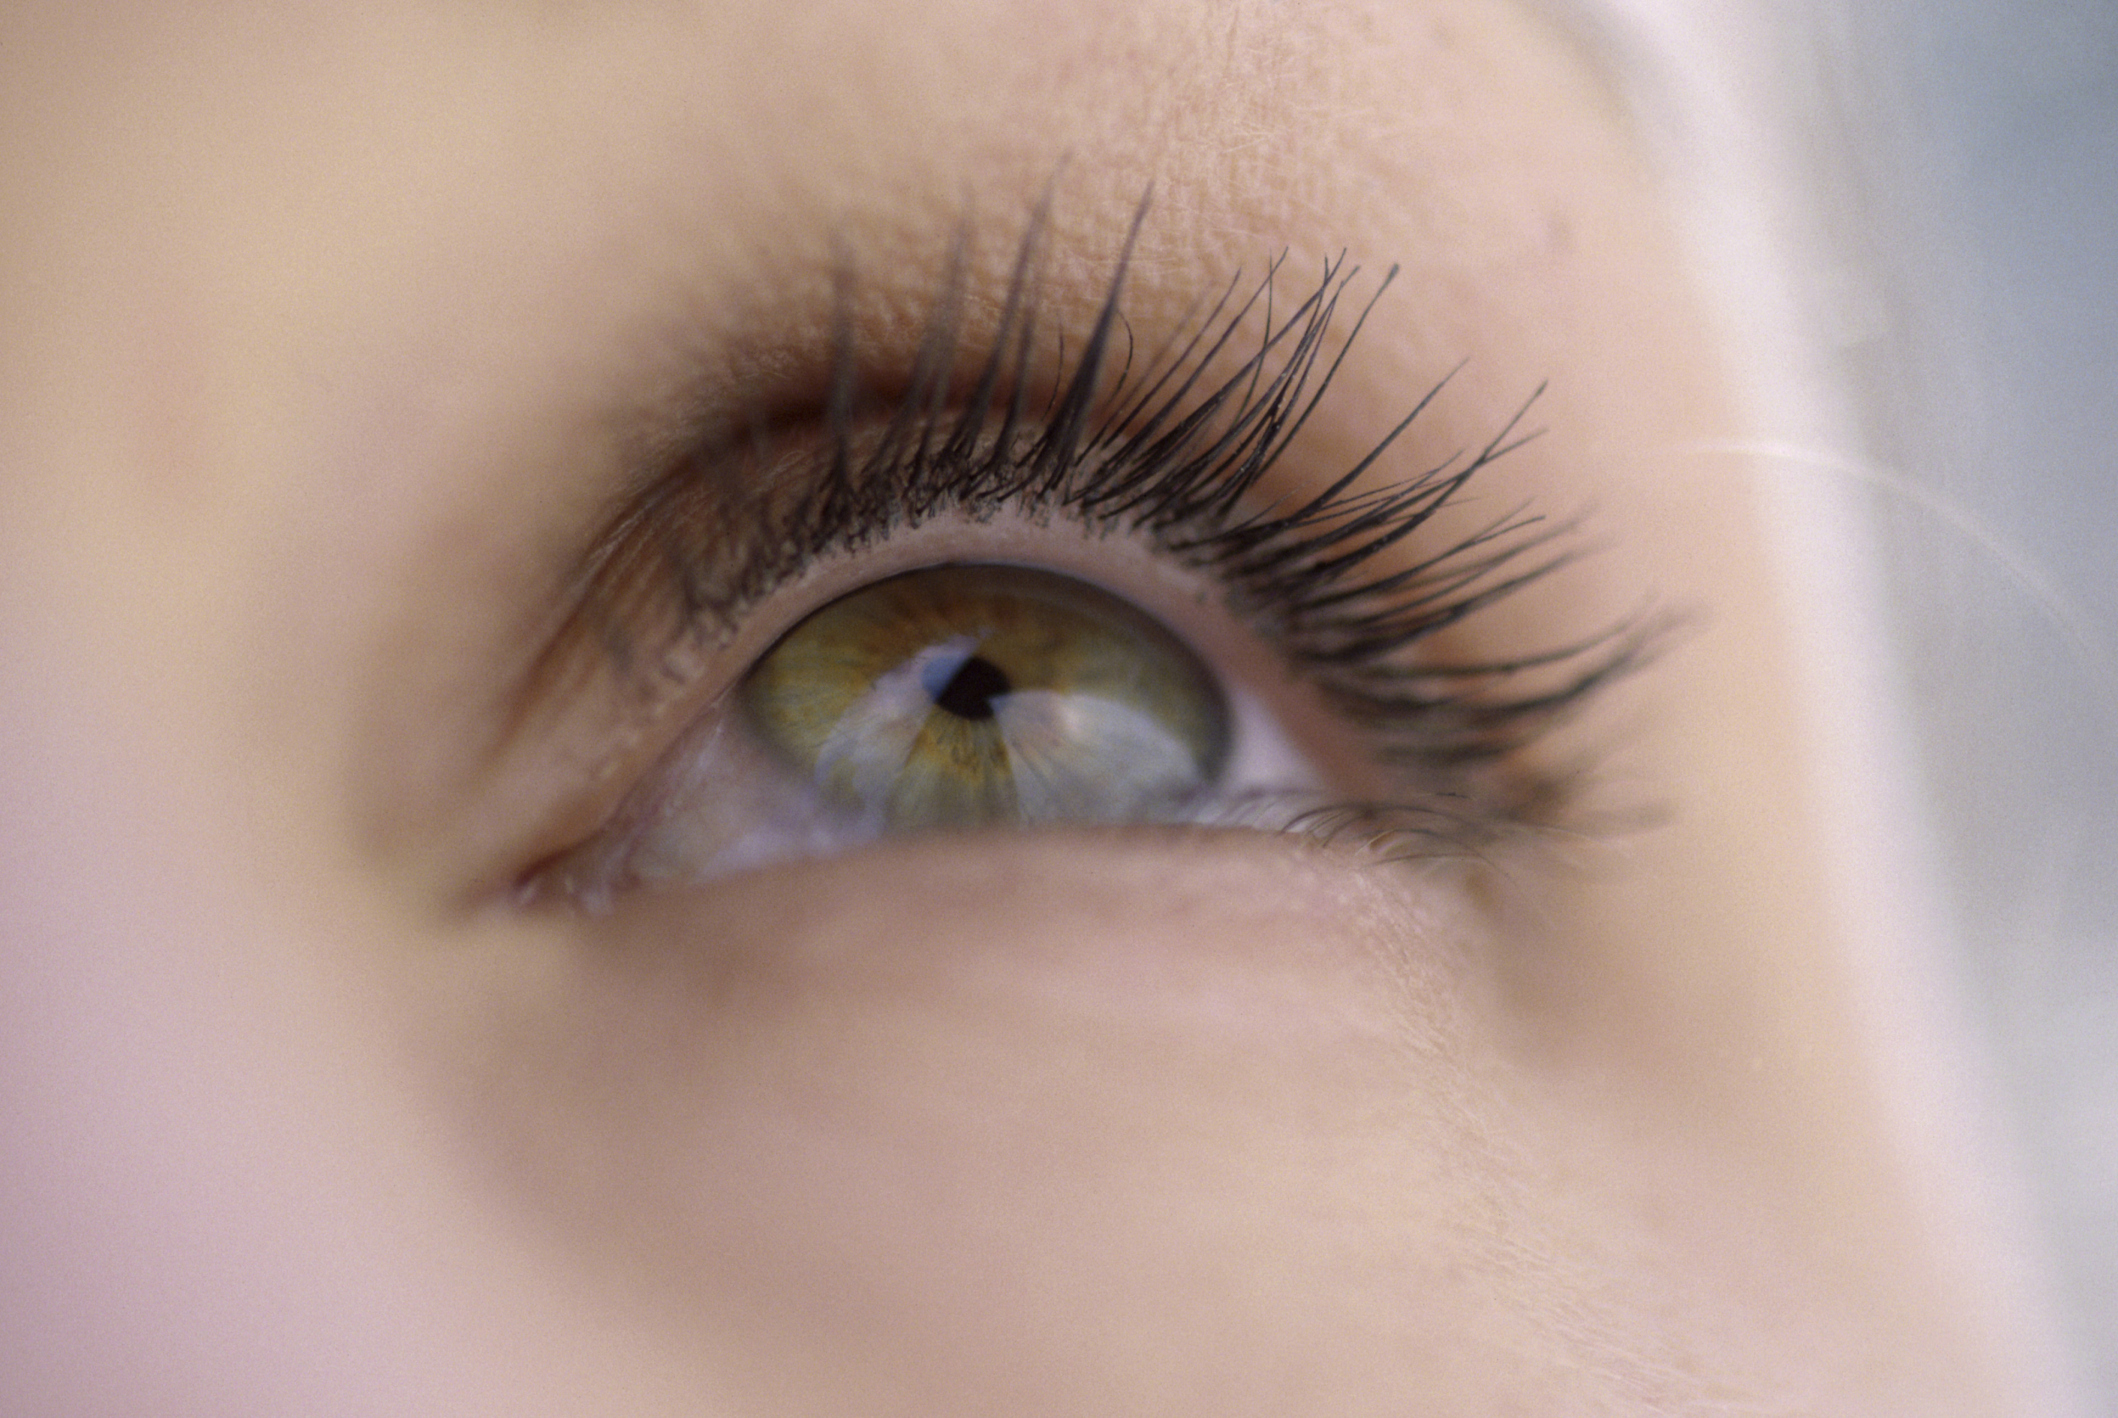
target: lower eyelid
<point>828,907</point>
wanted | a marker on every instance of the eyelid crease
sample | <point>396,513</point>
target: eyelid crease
<point>1172,451</point>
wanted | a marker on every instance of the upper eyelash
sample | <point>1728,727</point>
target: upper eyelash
<point>1174,454</point>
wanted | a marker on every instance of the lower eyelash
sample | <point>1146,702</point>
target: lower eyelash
<point>1173,455</point>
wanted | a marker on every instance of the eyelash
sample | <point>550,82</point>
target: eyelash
<point>1172,458</point>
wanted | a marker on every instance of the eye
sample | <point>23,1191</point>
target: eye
<point>957,697</point>
<point>963,696</point>
<point>949,672</point>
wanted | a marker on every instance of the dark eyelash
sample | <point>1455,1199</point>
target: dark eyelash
<point>1174,454</point>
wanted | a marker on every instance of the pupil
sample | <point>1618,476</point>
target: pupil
<point>970,692</point>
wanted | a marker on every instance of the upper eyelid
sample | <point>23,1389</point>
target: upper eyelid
<point>713,456</point>
<point>1046,387</point>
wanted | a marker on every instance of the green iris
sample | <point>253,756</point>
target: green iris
<point>960,696</point>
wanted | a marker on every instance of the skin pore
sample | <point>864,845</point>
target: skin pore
<point>331,341</point>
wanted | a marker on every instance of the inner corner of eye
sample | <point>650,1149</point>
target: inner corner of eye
<point>962,697</point>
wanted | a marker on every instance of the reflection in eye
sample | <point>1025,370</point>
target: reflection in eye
<point>961,696</point>
<point>897,707</point>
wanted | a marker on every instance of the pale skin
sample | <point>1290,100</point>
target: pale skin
<point>321,337</point>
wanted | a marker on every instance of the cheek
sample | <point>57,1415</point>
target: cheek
<point>1240,1129</point>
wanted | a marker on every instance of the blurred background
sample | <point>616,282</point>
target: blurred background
<point>1993,386</point>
